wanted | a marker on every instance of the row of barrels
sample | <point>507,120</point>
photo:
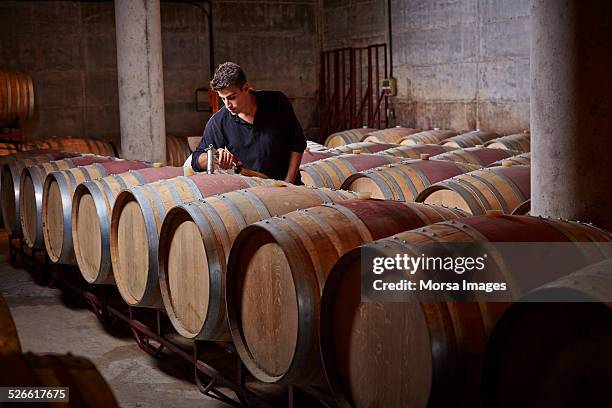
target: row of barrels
<point>87,387</point>
<point>408,136</point>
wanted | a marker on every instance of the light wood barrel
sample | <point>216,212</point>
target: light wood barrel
<point>314,146</point>
<point>363,147</point>
<point>482,156</point>
<point>470,139</point>
<point>10,188</point>
<point>57,196</point>
<point>333,171</point>
<point>16,97</point>
<point>137,218</point>
<point>347,136</point>
<point>9,340</point>
<point>192,286</point>
<point>404,180</point>
<point>391,135</point>
<point>562,348</point>
<point>393,354</point>
<point>428,137</point>
<point>276,273</point>
<point>74,144</point>
<point>312,156</point>
<point>87,387</point>
<point>519,142</point>
<point>7,149</point>
<point>415,151</point>
<point>523,159</point>
<point>495,188</point>
<point>177,150</point>
<point>92,204</point>
<point>31,184</point>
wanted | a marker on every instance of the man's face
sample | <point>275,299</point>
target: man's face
<point>235,98</point>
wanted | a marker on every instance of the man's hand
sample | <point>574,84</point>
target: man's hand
<point>226,159</point>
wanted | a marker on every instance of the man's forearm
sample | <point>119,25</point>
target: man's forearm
<point>294,166</point>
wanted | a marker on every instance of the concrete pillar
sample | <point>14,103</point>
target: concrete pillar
<point>141,82</point>
<point>571,110</point>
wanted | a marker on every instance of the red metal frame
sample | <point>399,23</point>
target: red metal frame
<point>349,98</point>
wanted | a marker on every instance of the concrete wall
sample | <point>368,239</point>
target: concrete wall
<point>69,49</point>
<point>459,64</point>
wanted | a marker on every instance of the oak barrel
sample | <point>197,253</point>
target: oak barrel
<point>393,354</point>
<point>494,188</point>
<point>87,387</point>
<point>347,136</point>
<point>523,208</point>
<point>482,156</point>
<point>74,144</point>
<point>92,204</point>
<point>404,180</point>
<point>470,139</point>
<point>7,148</point>
<point>9,340</point>
<point>415,151</point>
<point>333,171</point>
<point>519,142</point>
<point>277,269</point>
<point>519,159</point>
<point>137,218</point>
<point>10,188</point>
<point>16,97</point>
<point>363,147</point>
<point>434,136</point>
<point>391,135</point>
<point>561,347</point>
<point>31,184</point>
<point>177,150</point>
<point>56,207</point>
<point>195,242</point>
<point>312,156</point>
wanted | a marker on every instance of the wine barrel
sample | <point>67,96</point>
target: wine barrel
<point>396,354</point>
<point>277,269</point>
<point>523,208</point>
<point>192,286</point>
<point>519,142</point>
<point>347,136</point>
<point>434,136</point>
<point>333,171</point>
<point>363,147</point>
<point>137,218</point>
<point>92,204</point>
<point>57,196</point>
<point>314,146</point>
<point>16,98</point>
<point>404,180</point>
<point>470,139</point>
<point>561,347</point>
<point>177,150</point>
<point>415,151</point>
<point>391,135</point>
<point>74,144</point>
<point>7,149</point>
<point>31,184</point>
<point>10,188</point>
<point>87,387</point>
<point>495,188</point>
<point>9,340</point>
<point>482,156</point>
<point>519,159</point>
<point>312,156</point>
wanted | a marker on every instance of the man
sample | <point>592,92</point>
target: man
<point>257,129</point>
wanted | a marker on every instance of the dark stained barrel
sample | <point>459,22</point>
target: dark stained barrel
<point>16,97</point>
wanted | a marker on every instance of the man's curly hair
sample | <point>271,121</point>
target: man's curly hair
<point>227,75</point>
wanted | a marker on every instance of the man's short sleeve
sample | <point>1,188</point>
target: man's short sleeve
<point>212,136</point>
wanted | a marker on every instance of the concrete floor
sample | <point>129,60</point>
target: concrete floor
<point>47,325</point>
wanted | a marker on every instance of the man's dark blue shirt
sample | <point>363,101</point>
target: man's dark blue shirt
<point>265,145</point>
